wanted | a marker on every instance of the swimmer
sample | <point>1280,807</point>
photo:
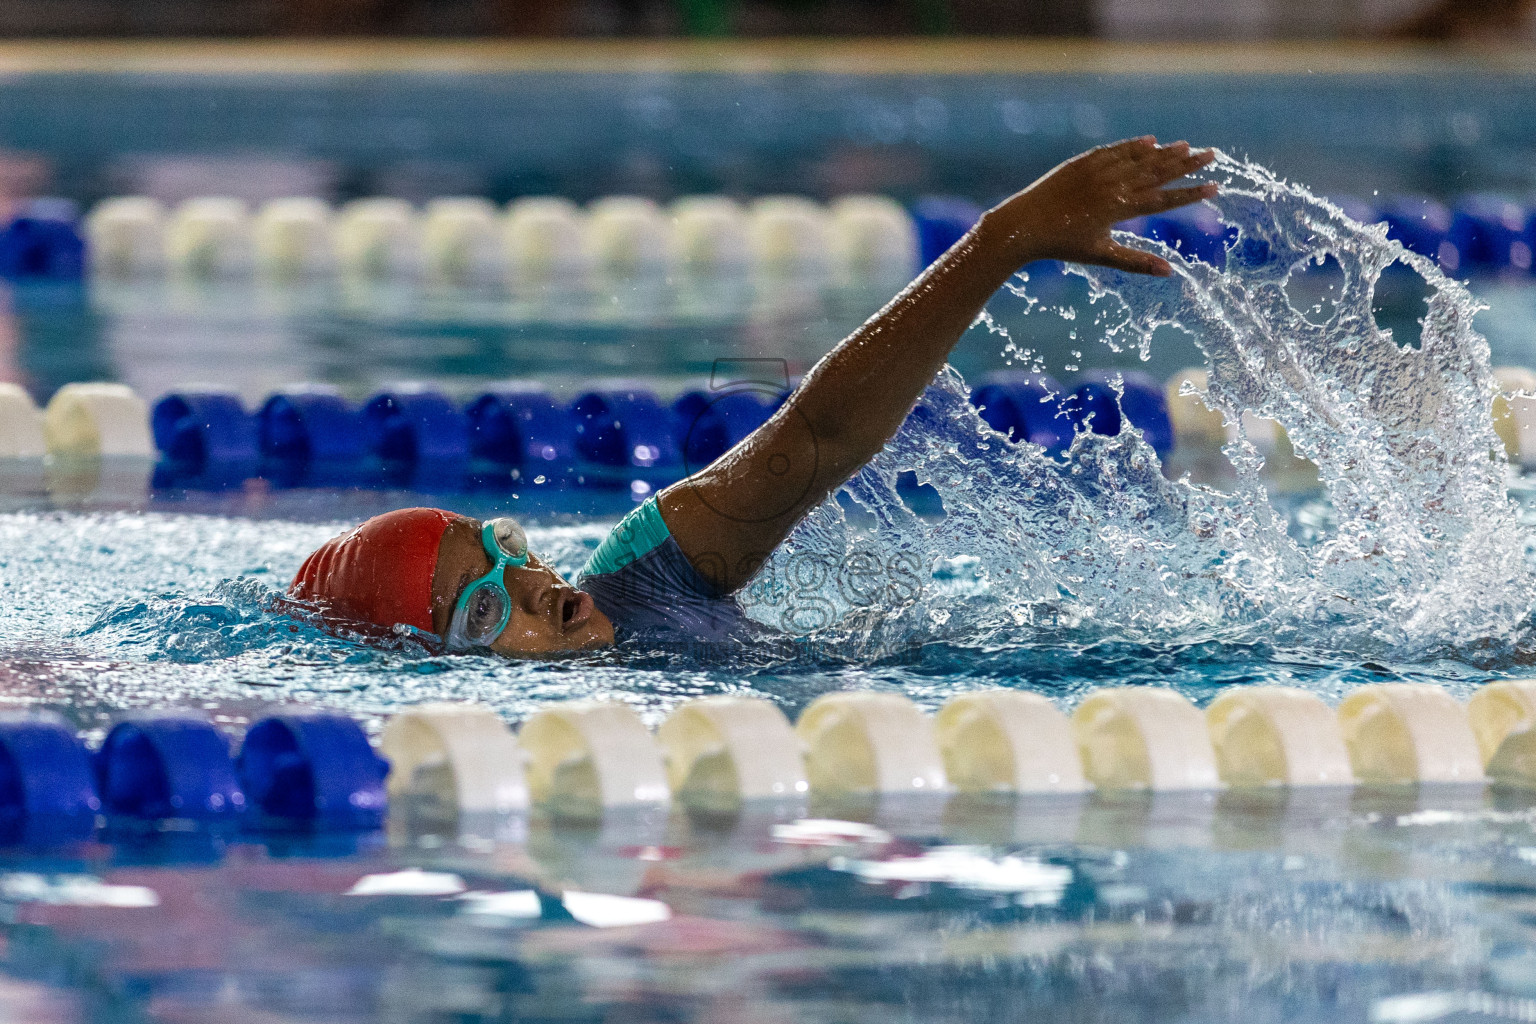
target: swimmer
<point>673,563</point>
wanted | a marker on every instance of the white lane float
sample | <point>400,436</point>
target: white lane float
<point>1008,741</point>
<point>873,241</point>
<point>125,237</point>
<point>93,420</point>
<point>1514,413</point>
<point>1499,708</point>
<point>462,242</point>
<point>1401,733</point>
<point>1268,436</point>
<point>454,757</point>
<point>723,751</point>
<point>789,237</point>
<point>210,237</point>
<point>868,743</point>
<point>629,238</point>
<point>1503,718</point>
<point>294,239</point>
<point>1513,764</point>
<point>378,238</point>
<point>21,424</point>
<point>1280,458</point>
<point>711,235</point>
<point>1276,736</point>
<point>1195,424</point>
<point>544,238</point>
<point>585,757</point>
<point>1144,738</point>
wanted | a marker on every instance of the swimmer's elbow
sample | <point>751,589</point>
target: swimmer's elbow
<point>842,442</point>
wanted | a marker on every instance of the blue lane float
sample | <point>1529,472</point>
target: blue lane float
<point>1092,406</point>
<point>1145,403</point>
<point>1492,235</point>
<point>624,434</point>
<point>310,437</point>
<point>43,243</point>
<point>1026,407</point>
<point>314,770</point>
<point>941,222</point>
<point>1142,402</point>
<point>156,768</point>
<point>1422,226</point>
<point>47,791</point>
<point>1195,231</point>
<point>709,424</point>
<point>1036,408</point>
<point>206,440</point>
<point>520,436</point>
<point>517,436</point>
<point>418,438</point>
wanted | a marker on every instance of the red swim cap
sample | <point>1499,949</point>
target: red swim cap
<point>381,572</point>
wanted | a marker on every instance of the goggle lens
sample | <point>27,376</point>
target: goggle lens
<point>511,539</point>
<point>485,611</point>
<point>481,613</point>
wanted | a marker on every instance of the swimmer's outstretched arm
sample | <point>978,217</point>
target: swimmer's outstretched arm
<point>729,517</point>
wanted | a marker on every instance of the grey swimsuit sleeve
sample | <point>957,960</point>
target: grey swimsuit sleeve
<point>643,582</point>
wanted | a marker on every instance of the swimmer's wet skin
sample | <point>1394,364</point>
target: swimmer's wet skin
<point>673,563</point>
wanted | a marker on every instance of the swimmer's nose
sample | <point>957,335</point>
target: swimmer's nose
<point>564,605</point>
<point>531,591</point>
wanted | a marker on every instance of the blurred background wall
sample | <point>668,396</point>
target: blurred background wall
<point>1114,19</point>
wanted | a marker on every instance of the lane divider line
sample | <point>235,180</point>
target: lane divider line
<point>580,760</point>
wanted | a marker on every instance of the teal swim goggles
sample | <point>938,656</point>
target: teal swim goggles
<point>482,611</point>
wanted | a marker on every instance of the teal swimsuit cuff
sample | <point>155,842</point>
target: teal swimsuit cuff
<point>637,534</point>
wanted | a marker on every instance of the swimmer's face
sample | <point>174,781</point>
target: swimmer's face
<point>548,614</point>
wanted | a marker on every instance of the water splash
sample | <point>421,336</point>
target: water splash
<point>1424,555</point>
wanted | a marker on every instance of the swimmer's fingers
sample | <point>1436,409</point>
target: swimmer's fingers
<point>1123,163</point>
<point>1197,159</point>
<point>1170,164</point>
<point>1126,151</point>
<point>1178,159</point>
<point>1159,200</point>
<point>1133,261</point>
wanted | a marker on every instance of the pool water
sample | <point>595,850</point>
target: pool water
<point>113,610</point>
<point>1407,560</point>
<point>1391,907</point>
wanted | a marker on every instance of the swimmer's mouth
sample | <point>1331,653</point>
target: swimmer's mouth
<point>575,609</point>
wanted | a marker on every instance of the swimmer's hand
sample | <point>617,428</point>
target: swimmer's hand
<point>1068,213</point>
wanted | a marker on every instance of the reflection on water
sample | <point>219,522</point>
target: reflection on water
<point>363,334</point>
<point>158,336</point>
<point>1106,909</point>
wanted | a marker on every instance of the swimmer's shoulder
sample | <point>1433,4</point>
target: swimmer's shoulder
<point>644,583</point>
